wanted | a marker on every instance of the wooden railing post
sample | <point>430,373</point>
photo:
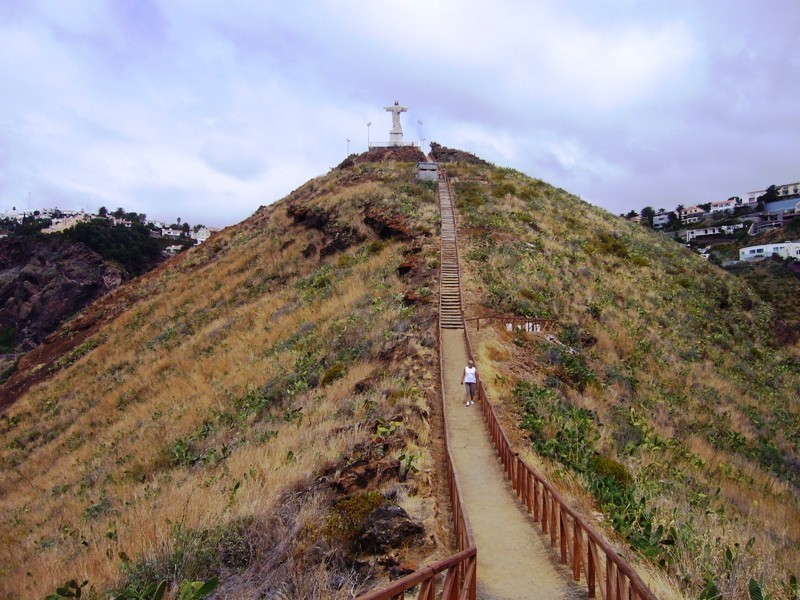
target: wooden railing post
<point>577,550</point>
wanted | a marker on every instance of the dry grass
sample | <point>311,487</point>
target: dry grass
<point>674,359</point>
<point>147,439</point>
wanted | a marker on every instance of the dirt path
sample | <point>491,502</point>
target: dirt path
<point>514,559</point>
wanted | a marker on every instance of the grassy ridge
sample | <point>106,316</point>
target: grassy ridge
<point>207,430</point>
<point>668,403</point>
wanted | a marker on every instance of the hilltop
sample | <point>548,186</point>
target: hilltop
<point>241,410</point>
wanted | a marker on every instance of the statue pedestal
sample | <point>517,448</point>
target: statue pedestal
<point>396,138</point>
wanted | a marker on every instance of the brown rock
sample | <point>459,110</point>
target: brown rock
<point>46,280</point>
<point>389,526</point>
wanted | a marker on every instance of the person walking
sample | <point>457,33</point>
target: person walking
<point>470,378</point>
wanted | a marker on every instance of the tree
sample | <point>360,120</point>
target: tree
<point>102,211</point>
<point>770,195</point>
<point>647,214</point>
<point>119,213</point>
<point>631,214</point>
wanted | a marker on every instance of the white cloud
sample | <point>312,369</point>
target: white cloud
<point>216,108</point>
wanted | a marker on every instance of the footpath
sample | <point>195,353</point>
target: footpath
<point>515,560</point>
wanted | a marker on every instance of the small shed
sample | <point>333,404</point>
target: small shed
<point>427,171</point>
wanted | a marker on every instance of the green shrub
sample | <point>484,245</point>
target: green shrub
<point>332,373</point>
<point>8,339</point>
<point>349,516</point>
<point>608,467</point>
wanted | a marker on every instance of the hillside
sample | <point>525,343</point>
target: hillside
<point>243,408</point>
<point>666,403</point>
<point>240,410</point>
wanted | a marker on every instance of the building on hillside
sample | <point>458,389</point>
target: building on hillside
<point>171,233</point>
<point>693,214</point>
<point>782,249</point>
<point>775,219</point>
<point>786,190</point>
<point>691,234</point>
<point>783,205</point>
<point>746,202</point>
<point>661,219</point>
<point>202,234</point>
<point>635,219</point>
<point>723,206</point>
<point>68,222</point>
<point>172,250</point>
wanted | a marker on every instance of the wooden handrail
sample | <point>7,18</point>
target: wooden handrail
<point>586,549</point>
<point>518,323</point>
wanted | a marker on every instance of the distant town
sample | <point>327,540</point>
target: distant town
<point>702,225</point>
<point>54,220</point>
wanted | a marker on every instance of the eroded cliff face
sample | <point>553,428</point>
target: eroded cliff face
<point>45,280</point>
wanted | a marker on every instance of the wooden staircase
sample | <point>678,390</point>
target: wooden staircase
<point>450,316</point>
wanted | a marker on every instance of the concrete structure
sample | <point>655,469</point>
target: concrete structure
<point>396,132</point>
<point>427,171</point>
<point>782,249</point>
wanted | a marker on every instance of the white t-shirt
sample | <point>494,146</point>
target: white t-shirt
<point>469,375</point>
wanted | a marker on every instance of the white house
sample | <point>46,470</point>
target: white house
<point>782,249</point>
<point>661,220</point>
<point>202,234</point>
<point>723,206</point>
<point>693,214</point>
<point>172,233</point>
<point>724,229</point>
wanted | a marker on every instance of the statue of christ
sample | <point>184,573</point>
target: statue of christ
<point>396,133</point>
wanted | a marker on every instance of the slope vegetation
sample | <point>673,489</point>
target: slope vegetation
<point>242,410</point>
<point>666,403</point>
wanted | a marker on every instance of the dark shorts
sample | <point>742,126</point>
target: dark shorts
<point>470,389</point>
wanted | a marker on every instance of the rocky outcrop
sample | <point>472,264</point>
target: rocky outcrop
<point>389,526</point>
<point>45,280</point>
<point>444,154</point>
<point>398,153</point>
<point>388,225</point>
<point>338,235</point>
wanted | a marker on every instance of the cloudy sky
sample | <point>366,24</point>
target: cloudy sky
<point>206,110</point>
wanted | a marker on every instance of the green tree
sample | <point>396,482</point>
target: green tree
<point>770,195</point>
<point>647,214</point>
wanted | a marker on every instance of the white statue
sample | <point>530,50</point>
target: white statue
<point>396,133</point>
